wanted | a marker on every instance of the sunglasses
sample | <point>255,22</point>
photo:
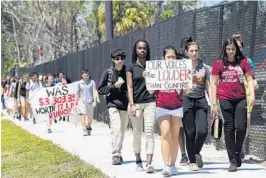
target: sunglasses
<point>119,58</point>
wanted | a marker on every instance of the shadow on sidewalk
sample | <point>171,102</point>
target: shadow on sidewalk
<point>133,161</point>
<point>209,163</point>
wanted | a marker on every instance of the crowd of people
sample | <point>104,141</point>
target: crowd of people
<point>226,88</point>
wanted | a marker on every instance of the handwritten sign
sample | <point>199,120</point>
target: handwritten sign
<point>53,102</point>
<point>168,74</point>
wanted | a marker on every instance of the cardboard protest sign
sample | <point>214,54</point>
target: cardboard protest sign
<point>168,74</point>
<point>53,102</point>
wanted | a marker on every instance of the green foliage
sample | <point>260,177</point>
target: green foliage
<point>25,155</point>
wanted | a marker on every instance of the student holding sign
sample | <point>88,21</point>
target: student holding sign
<point>196,107</point>
<point>87,100</point>
<point>141,104</point>
<point>169,112</point>
<point>231,68</point>
<point>49,82</point>
<point>32,85</point>
<point>113,86</point>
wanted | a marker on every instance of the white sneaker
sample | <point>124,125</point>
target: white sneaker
<point>174,170</point>
<point>149,169</point>
<point>166,171</point>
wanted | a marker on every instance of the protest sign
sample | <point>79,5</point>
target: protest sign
<point>168,74</point>
<point>53,102</point>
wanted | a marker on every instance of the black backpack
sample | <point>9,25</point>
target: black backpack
<point>109,82</point>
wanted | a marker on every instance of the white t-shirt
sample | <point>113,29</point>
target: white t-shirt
<point>32,86</point>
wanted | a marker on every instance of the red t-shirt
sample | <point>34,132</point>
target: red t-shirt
<point>169,99</point>
<point>231,84</point>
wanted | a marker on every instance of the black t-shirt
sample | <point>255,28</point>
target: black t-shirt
<point>23,89</point>
<point>140,92</point>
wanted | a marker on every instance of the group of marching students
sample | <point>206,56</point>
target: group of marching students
<point>17,92</point>
<point>227,88</point>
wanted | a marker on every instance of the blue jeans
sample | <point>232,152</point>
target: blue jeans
<point>3,102</point>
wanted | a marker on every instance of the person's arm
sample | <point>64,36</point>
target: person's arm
<point>214,84</point>
<point>214,79</point>
<point>18,93</point>
<point>249,79</point>
<point>130,88</point>
<point>132,107</point>
<point>208,84</point>
<point>104,88</point>
<point>95,94</point>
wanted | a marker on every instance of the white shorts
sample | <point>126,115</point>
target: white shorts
<point>84,108</point>
<point>22,98</point>
<point>164,112</point>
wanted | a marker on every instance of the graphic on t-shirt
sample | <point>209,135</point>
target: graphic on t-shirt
<point>233,74</point>
<point>198,80</point>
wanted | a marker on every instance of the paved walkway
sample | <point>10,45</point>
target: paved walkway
<point>95,150</point>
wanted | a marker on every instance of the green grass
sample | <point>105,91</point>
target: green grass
<point>26,156</point>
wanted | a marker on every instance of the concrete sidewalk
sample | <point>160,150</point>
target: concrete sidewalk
<point>96,150</point>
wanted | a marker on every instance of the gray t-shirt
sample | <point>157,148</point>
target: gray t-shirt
<point>200,76</point>
<point>85,90</point>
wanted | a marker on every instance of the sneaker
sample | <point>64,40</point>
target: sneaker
<point>19,117</point>
<point>149,168</point>
<point>199,160</point>
<point>88,128</point>
<point>174,170</point>
<point>85,133</point>
<point>34,121</point>
<point>233,166</point>
<point>55,121</point>
<point>49,130</point>
<point>121,159</point>
<point>116,160</point>
<point>184,160</point>
<point>242,155</point>
<point>139,166</point>
<point>194,167</point>
<point>166,171</point>
<point>238,159</point>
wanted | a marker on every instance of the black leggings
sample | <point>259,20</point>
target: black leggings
<point>195,125</point>
<point>235,124</point>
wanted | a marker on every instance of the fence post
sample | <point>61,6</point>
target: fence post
<point>254,6</point>
<point>194,25</point>
<point>221,27</point>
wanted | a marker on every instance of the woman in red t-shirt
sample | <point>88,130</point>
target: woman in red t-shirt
<point>169,112</point>
<point>230,69</point>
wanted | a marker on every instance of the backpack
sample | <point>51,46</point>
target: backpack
<point>109,82</point>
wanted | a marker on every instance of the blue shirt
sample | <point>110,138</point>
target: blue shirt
<point>85,90</point>
<point>251,64</point>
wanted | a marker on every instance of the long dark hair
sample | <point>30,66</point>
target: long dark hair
<point>134,51</point>
<point>223,55</point>
<point>167,48</point>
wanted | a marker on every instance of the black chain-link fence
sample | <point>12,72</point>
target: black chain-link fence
<point>210,27</point>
